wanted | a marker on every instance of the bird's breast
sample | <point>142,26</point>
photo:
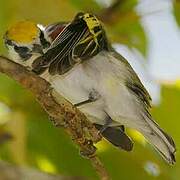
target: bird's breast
<point>75,85</point>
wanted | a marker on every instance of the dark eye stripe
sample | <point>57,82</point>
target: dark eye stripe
<point>21,49</point>
<point>23,52</point>
<point>25,57</point>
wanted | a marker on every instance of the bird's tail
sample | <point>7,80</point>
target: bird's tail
<point>116,136</point>
<point>162,142</point>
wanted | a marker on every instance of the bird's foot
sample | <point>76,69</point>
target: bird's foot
<point>93,96</point>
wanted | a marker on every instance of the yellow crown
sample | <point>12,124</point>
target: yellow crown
<point>23,32</point>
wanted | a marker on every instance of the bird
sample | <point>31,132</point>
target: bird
<point>82,66</point>
<point>26,40</point>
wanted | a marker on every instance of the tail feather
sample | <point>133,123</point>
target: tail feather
<point>162,142</point>
<point>117,137</point>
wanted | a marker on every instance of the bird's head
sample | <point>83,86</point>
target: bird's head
<point>25,40</point>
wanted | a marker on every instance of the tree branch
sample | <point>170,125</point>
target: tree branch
<point>63,113</point>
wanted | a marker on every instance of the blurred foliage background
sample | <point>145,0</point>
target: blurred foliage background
<point>28,138</point>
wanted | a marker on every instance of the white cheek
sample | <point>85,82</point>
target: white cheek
<point>13,55</point>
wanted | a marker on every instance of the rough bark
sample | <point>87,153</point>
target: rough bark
<point>63,113</point>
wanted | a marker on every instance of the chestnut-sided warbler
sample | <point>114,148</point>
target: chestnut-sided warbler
<point>81,65</point>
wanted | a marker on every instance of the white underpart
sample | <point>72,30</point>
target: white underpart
<point>106,75</point>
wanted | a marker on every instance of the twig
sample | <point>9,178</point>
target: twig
<point>100,169</point>
<point>63,113</point>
